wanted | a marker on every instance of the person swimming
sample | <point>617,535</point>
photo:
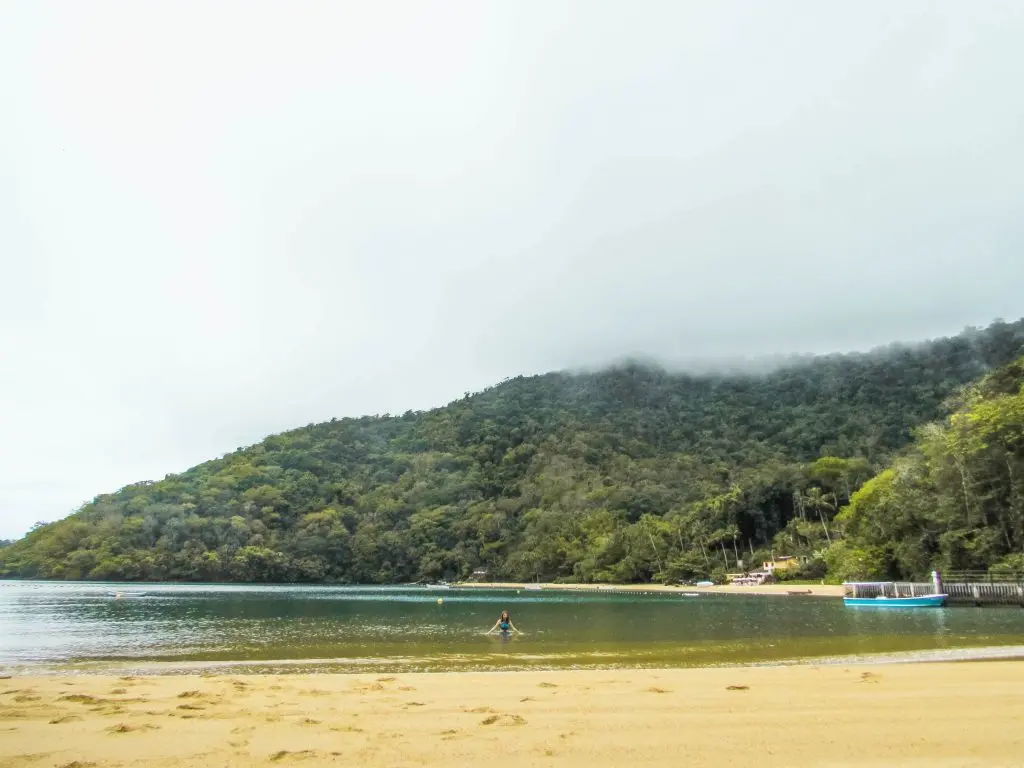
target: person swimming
<point>503,624</point>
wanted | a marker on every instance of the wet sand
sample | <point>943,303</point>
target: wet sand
<point>811,590</point>
<point>948,714</point>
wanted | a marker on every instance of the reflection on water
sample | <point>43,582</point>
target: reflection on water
<point>350,628</point>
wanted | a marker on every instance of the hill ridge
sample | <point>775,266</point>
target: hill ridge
<point>627,474</point>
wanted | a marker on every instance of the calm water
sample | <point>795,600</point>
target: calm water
<point>46,626</point>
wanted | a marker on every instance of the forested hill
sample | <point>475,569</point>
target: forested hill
<point>629,474</point>
<point>953,500</point>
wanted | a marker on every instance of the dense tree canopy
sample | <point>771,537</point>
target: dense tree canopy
<point>630,474</point>
<point>954,500</point>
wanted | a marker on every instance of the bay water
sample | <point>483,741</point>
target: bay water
<point>49,626</point>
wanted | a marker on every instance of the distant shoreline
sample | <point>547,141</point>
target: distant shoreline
<point>808,590</point>
<point>777,590</point>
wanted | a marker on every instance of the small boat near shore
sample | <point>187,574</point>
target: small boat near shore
<point>920,601</point>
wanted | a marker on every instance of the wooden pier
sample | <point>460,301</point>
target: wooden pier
<point>963,588</point>
<point>981,588</point>
<point>966,593</point>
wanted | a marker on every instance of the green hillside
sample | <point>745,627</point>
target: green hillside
<point>630,474</point>
<point>953,500</point>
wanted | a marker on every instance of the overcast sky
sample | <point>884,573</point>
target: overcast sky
<point>220,220</point>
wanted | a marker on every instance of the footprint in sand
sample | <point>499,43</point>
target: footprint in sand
<point>64,719</point>
<point>503,720</point>
<point>546,685</point>
<point>192,707</point>
<point>201,699</point>
<point>80,698</point>
<point>480,710</point>
<point>656,689</point>
<point>126,728</point>
<point>284,756</point>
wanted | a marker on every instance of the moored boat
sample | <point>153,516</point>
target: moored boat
<point>920,601</point>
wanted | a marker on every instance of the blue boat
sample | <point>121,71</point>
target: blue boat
<point>921,601</point>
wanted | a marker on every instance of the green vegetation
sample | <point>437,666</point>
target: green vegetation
<point>631,474</point>
<point>954,500</point>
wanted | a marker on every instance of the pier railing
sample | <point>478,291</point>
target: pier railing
<point>993,592</point>
<point>984,577</point>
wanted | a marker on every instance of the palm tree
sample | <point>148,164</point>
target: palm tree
<point>814,499</point>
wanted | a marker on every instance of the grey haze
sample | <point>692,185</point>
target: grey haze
<point>224,219</point>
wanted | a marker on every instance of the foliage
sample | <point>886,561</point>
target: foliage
<point>954,500</point>
<point>630,474</point>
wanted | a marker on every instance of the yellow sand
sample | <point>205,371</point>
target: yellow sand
<point>815,590</point>
<point>967,714</point>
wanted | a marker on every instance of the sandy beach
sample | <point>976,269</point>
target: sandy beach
<point>959,714</point>
<point>810,590</point>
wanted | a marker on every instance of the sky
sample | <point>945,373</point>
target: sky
<point>220,220</point>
